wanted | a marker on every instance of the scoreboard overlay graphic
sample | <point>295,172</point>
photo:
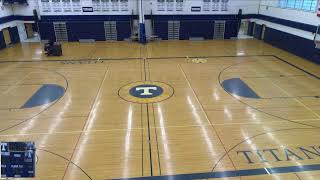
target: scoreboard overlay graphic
<point>18,159</point>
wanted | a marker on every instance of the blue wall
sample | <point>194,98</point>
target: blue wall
<point>161,29</point>
<point>46,31</point>
<point>86,27</point>
<point>296,45</point>
<point>14,35</point>
<point>257,31</point>
<point>123,30</point>
<point>194,25</point>
<point>91,27</point>
<point>2,41</point>
<point>196,29</point>
<point>250,28</point>
<point>79,27</point>
<point>190,29</point>
<point>85,30</point>
<point>202,29</point>
<point>232,27</point>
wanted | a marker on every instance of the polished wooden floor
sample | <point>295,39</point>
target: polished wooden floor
<point>92,133</point>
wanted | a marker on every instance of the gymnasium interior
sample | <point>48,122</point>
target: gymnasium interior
<point>160,89</point>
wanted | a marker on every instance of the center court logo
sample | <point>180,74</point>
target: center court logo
<point>146,92</point>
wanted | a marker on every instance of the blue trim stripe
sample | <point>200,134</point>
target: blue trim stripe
<point>86,18</point>
<point>15,17</point>
<point>238,173</point>
<point>289,23</point>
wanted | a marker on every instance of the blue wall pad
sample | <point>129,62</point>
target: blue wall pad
<point>45,95</point>
<point>196,29</point>
<point>195,25</point>
<point>14,35</point>
<point>250,28</point>
<point>231,29</point>
<point>237,87</point>
<point>257,31</point>
<point>299,46</point>
<point>123,30</point>
<point>2,41</point>
<point>46,31</point>
<point>85,30</point>
<point>161,29</point>
<point>142,35</point>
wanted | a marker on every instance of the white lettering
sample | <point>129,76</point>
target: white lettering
<point>146,90</point>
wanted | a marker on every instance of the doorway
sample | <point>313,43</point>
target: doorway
<point>6,35</point>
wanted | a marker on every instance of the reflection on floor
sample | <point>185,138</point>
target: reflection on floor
<point>150,111</point>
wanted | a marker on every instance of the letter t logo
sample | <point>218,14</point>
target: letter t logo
<point>146,90</point>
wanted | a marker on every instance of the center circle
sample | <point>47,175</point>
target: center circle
<point>146,91</point>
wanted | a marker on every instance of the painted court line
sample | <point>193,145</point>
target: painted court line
<point>237,173</point>
<point>135,129</point>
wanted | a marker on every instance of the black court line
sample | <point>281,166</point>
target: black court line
<point>298,176</point>
<point>148,118</point>
<point>257,109</point>
<point>279,76</point>
<point>237,173</point>
<point>149,141</point>
<point>258,135</point>
<point>70,60</point>
<point>138,58</point>
<point>131,58</point>
<point>31,84</point>
<point>145,69</point>
<point>305,71</point>
<point>290,97</point>
<point>214,131</point>
<point>155,129</point>
<point>249,172</point>
<point>142,128</point>
<point>142,139</point>
<point>294,168</point>
<point>60,156</point>
<point>154,122</point>
<point>218,56</point>
<point>52,104</point>
<point>10,109</point>
<point>86,121</point>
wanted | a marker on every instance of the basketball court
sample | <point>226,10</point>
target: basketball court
<point>172,110</point>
